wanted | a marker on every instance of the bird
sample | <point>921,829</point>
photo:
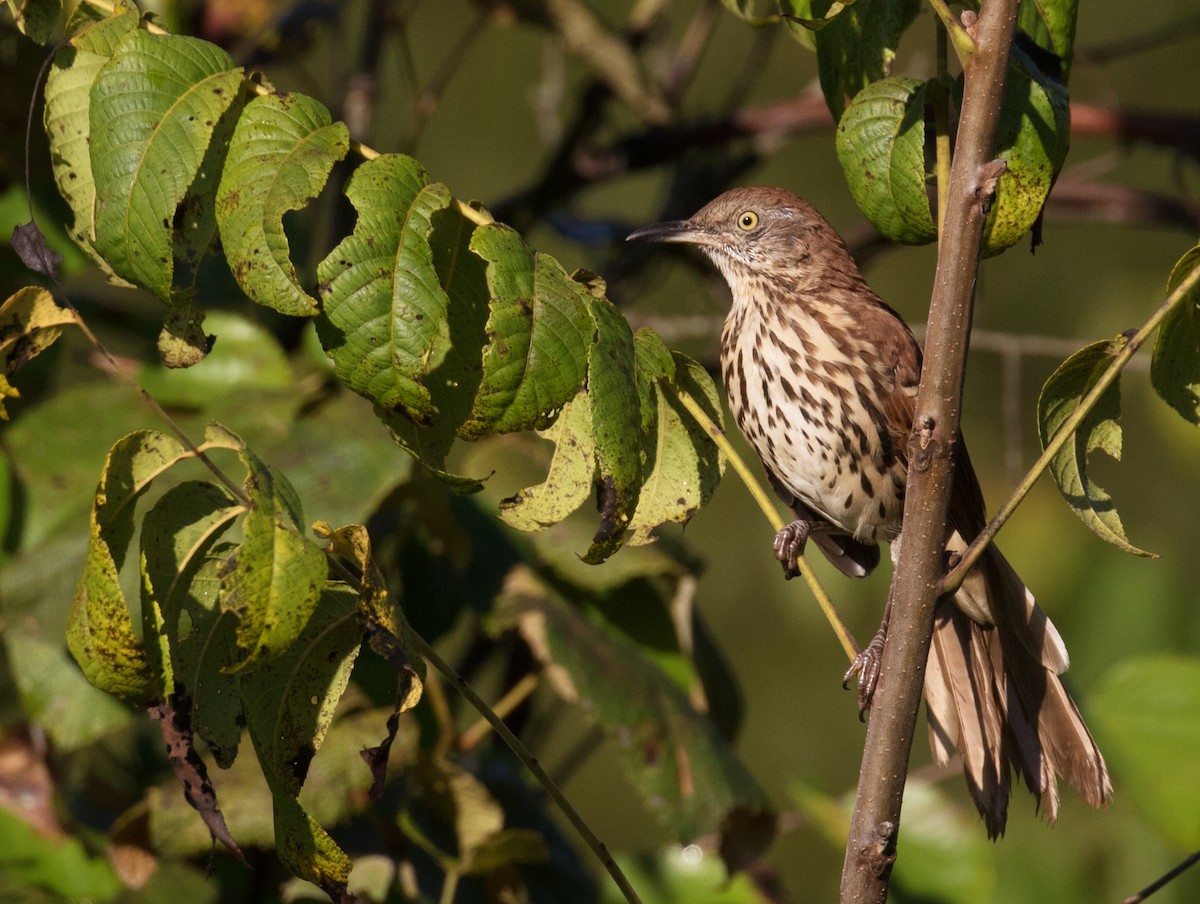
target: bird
<point>821,377</point>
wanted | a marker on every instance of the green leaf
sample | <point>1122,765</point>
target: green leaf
<point>1146,715</point>
<point>538,331</point>
<point>68,123</point>
<point>676,874</point>
<point>272,581</point>
<point>1100,430</point>
<point>683,465</point>
<point>1175,366</point>
<point>681,766</point>
<point>384,309</point>
<point>1051,24</point>
<point>289,703</point>
<point>571,476</point>
<point>180,577</point>
<point>60,869</point>
<point>857,47</point>
<point>154,107</point>
<point>279,158</point>
<point>881,146</point>
<point>1032,138</point>
<point>615,420</point>
<point>55,696</point>
<point>100,632</point>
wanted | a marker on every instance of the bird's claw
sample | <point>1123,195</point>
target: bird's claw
<point>867,666</point>
<point>789,546</point>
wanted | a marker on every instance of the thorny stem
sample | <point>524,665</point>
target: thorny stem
<point>530,762</point>
<point>971,555</point>
<point>773,516</point>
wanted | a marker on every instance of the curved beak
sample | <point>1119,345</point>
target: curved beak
<point>684,231</point>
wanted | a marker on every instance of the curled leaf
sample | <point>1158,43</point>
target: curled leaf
<point>1099,430</point>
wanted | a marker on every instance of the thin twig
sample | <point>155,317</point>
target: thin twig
<point>1166,877</point>
<point>517,694</point>
<point>768,508</point>
<point>531,763</point>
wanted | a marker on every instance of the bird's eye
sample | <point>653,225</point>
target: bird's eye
<point>747,220</point>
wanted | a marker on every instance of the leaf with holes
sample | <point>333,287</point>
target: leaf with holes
<point>1099,430</point>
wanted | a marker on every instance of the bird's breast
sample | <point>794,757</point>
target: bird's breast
<point>808,400</point>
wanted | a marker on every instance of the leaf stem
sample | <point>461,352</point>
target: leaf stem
<point>517,694</point>
<point>941,127</point>
<point>971,555</point>
<point>964,44</point>
<point>768,508</point>
<point>531,763</point>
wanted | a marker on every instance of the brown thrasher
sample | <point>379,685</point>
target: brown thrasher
<point>822,378</point>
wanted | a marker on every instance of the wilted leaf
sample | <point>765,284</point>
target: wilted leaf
<point>100,631</point>
<point>1175,366</point>
<point>175,722</point>
<point>1146,715</point>
<point>1100,430</point>
<point>146,155</point>
<point>881,146</point>
<point>30,245</point>
<point>30,322</point>
<point>279,158</point>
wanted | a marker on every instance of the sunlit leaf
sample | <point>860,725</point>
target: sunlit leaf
<point>67,117</point>
<point>279,158</point>
<point>1146,715</point>
<point>683,465</point>
<point>181,562</point>
<point>538,332</point>
<point>571,476</point>
<point>153,110</point>
<point>100,632</point>
<point>857,46</point>
<point>30,322</point>
<point>1175,366</point>
<point>1100,430</point>
<point>1051,24</point>
<point>273,579</point>
<point>1032,138</point>
<point>881,146</point>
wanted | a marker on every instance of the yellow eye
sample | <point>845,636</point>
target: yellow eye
<point>747,220</point>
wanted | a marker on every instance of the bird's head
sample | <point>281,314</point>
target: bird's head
<point>759,232</point>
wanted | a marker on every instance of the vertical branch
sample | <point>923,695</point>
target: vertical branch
<point>871,846</point>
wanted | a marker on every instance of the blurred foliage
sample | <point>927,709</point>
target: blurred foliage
<point>680,680</point>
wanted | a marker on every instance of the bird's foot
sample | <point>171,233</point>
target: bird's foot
<point>866,665</point>
<point>789,545</point>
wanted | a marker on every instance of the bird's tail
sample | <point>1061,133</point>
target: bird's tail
<point>993,693</point>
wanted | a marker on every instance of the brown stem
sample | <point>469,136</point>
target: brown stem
<point>874,827</point>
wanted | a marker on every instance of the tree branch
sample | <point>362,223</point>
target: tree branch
<point>874,827</point>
